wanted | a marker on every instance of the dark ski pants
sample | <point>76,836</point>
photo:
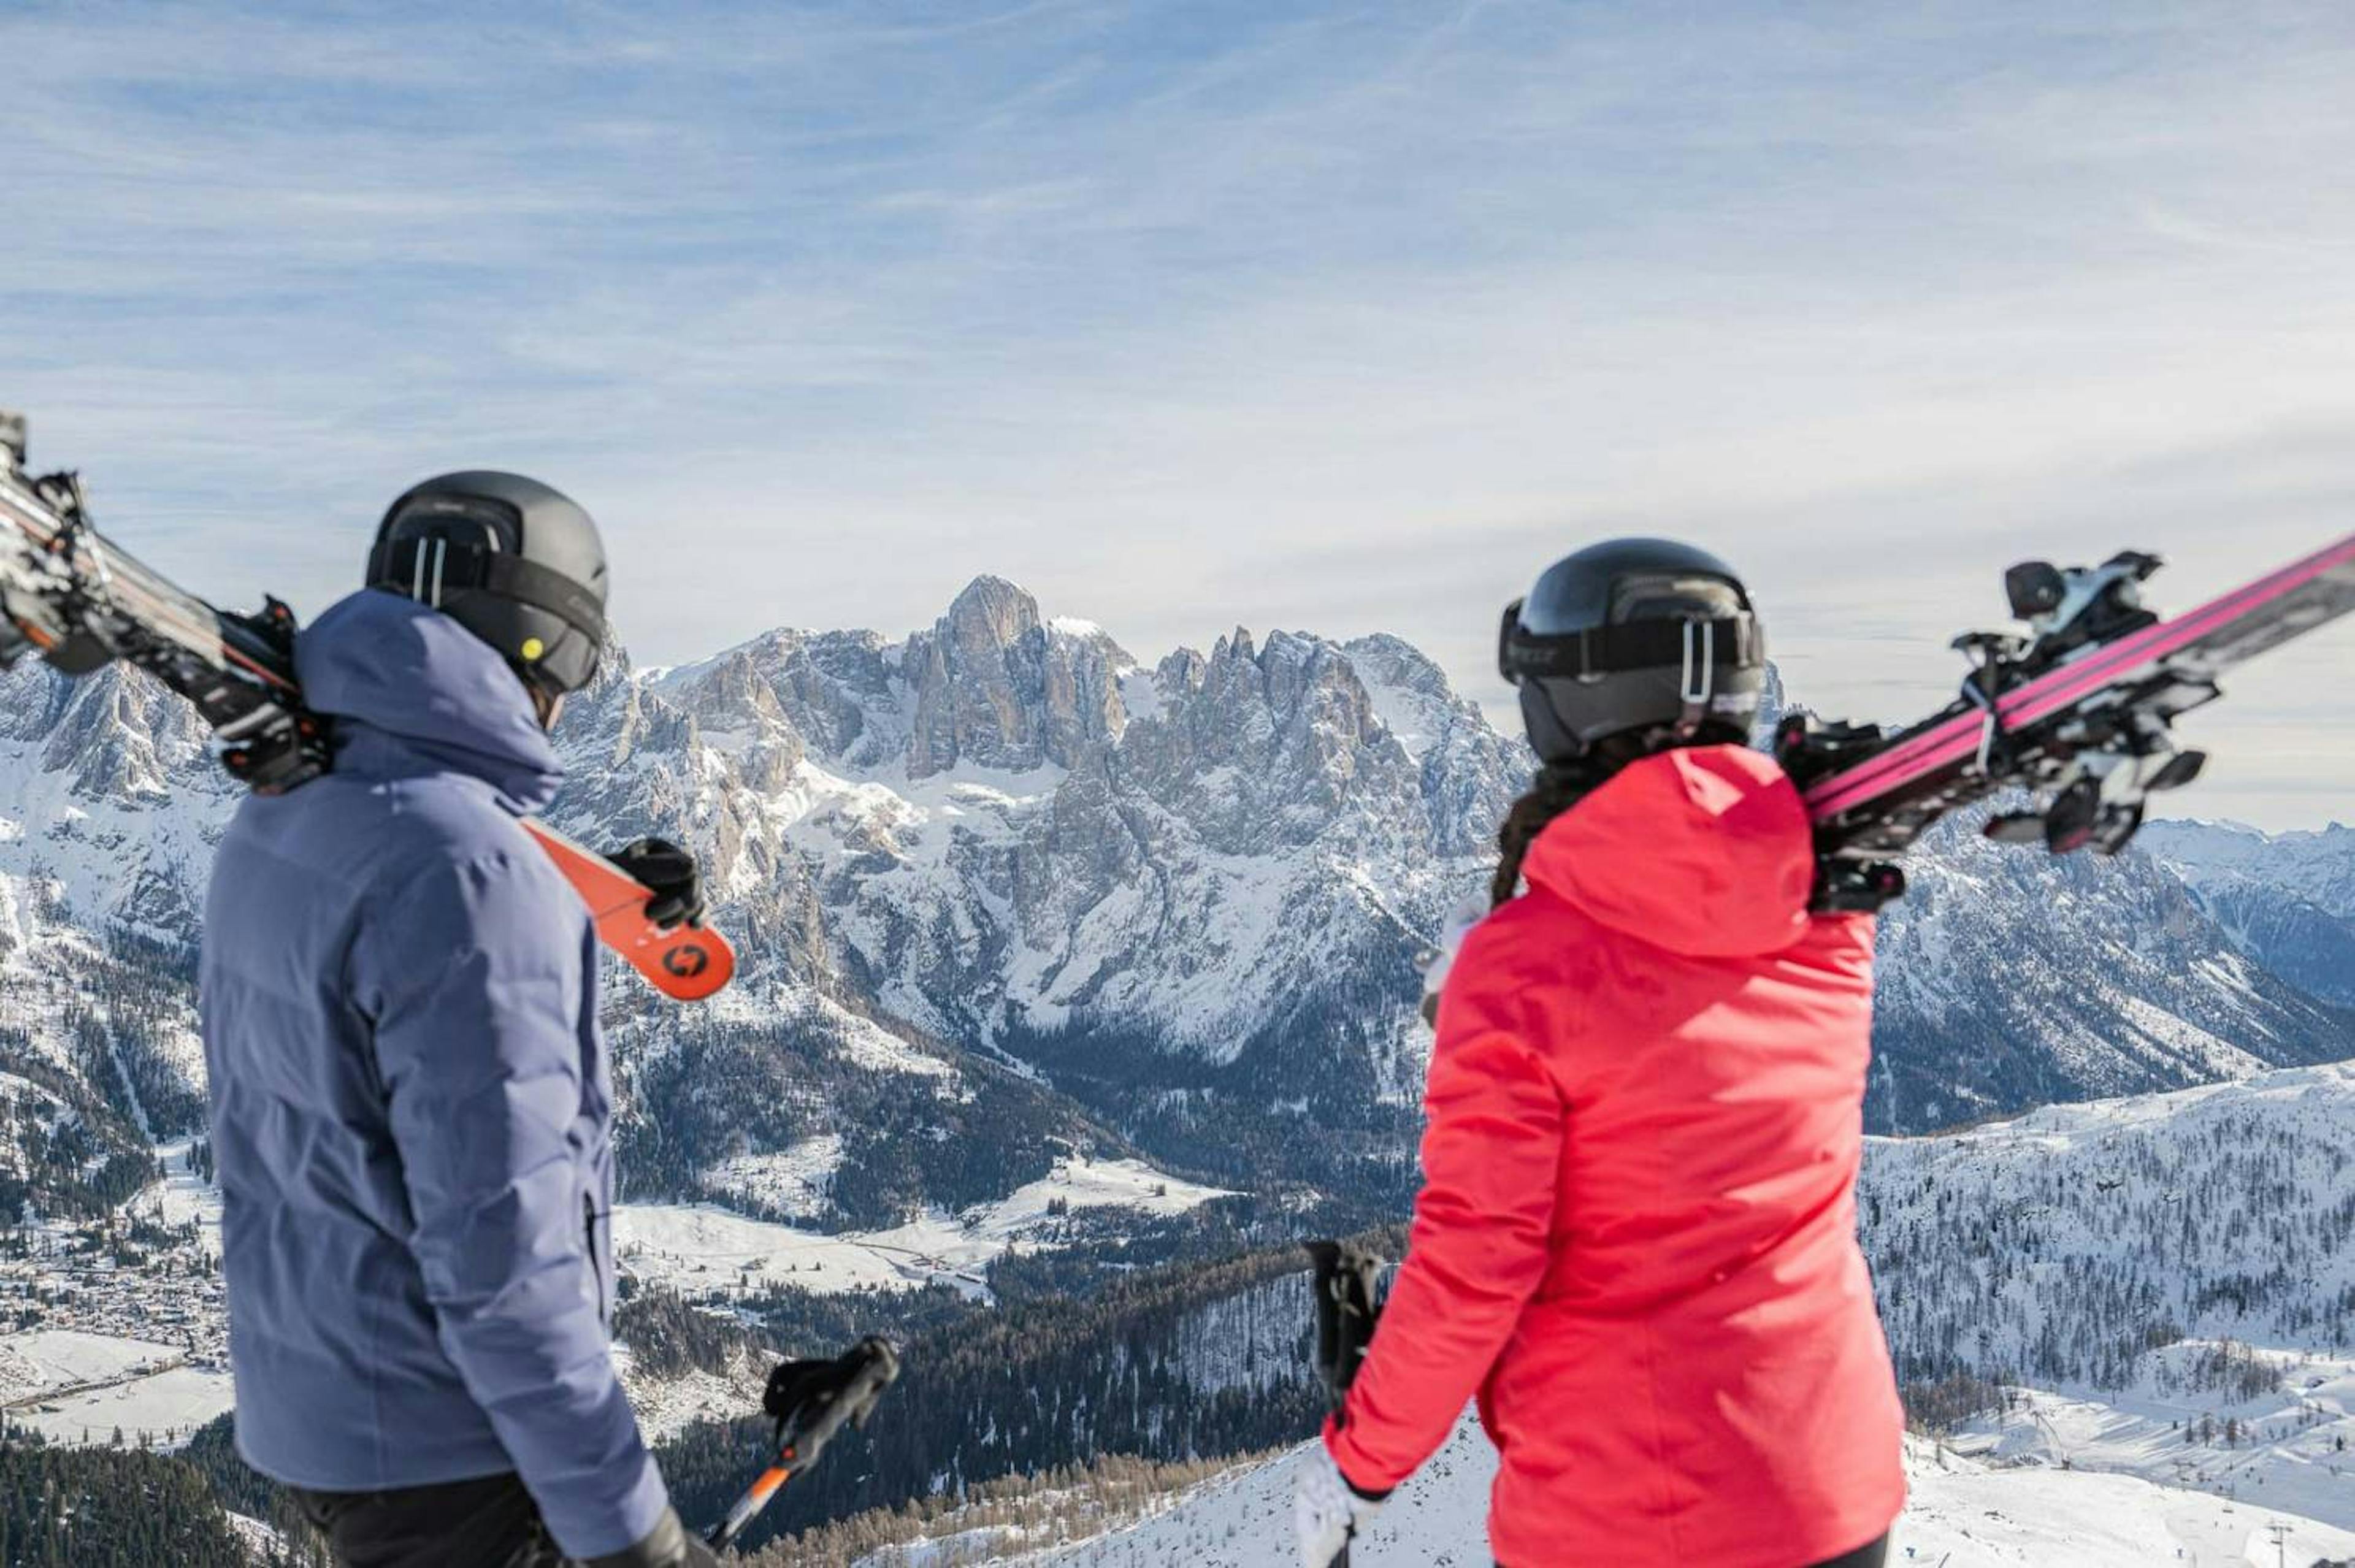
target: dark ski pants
<point>1872,1555</point>
<point>487,1523</point>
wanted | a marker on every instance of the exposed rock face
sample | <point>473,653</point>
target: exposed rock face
<point>996,688</point>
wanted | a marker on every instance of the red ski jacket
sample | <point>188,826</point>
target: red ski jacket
<point>1637,1236</point>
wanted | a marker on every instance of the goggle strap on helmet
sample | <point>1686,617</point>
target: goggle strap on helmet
<point>1700,682</point>
<point>1738,640</point>
<point>427,569</point>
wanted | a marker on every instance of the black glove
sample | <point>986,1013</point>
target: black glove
<point>669,1546</point>
<point>669,873</point>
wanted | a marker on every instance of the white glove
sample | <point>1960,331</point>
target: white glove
<point>1326,1511</point>
<point>1434,965</point>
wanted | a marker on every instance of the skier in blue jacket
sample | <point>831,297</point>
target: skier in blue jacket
<point>411,1104</point>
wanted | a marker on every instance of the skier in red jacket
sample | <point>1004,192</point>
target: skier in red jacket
<point>1637,1237</point>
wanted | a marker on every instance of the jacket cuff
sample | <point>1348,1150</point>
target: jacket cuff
<point>622,1524</point>
<point>664,1547</point>
<point>1336,1444</point>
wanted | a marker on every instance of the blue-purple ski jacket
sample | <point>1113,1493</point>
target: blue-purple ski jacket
<point>412,1103</point>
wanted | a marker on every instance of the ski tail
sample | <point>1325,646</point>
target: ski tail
<point>685,962</point>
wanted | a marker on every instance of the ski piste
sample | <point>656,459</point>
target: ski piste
<point>80,602</point>
<point>2078,714</point>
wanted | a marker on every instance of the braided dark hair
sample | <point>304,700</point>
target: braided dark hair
<point>1557,788</point>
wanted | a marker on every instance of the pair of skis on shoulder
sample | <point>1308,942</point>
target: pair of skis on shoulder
<point>69,595</point>
<point>2077,712</point>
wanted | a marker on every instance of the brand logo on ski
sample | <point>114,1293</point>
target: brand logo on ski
<point>687,962</point>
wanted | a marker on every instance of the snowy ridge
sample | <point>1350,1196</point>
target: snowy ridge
<point>2288,901</point>
<point>2060,1246</point>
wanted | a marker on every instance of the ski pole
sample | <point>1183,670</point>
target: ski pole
<point>1347,1275</point>
<point>811,1402</point>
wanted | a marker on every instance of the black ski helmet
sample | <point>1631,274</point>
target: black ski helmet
<point>1642,637</point>
<point>514,562</point>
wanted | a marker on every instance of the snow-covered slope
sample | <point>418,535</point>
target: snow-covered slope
<point>1963,1513</point>
<point>2175,1272</point>
<point>2061,1247</point>
<point>2215,1417</point>
<point>2011,979</point>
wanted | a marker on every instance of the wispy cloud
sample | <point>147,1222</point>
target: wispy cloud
<point>1340,316</point>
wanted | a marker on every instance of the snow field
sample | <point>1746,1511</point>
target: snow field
<point>1961,1513</point>
<point>177,1402</point>
<point>2287,1454</point>
<point>703,1250</point>
<point>47,1360</point>
<point>76,1387</point>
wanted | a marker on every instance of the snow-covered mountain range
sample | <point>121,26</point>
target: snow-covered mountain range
<point>1007,893</point>
<point>2288,900</point>
<point>1042,940</point>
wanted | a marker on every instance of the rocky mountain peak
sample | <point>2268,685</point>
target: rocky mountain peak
<point>991,612</point>
<point>993,688</point>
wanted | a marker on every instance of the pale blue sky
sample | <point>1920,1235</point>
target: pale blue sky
<point>1344,318</point>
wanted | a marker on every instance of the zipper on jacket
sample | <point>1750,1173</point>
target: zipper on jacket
<point>589,1241</point>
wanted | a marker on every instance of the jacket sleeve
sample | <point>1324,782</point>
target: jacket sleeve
<point>1491,1152</point>
<point>476,978</point>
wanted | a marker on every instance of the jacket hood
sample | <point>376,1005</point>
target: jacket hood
<point>413,691</point>
<point>1703,850</point>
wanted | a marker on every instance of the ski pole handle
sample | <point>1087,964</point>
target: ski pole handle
<point>812,1402</point>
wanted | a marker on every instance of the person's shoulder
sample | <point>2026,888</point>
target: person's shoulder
<point>1524,935</point>
<point>1515,946</point>
<point>1541,969</point>
<point>454,826</point>
<point>401,834</point>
